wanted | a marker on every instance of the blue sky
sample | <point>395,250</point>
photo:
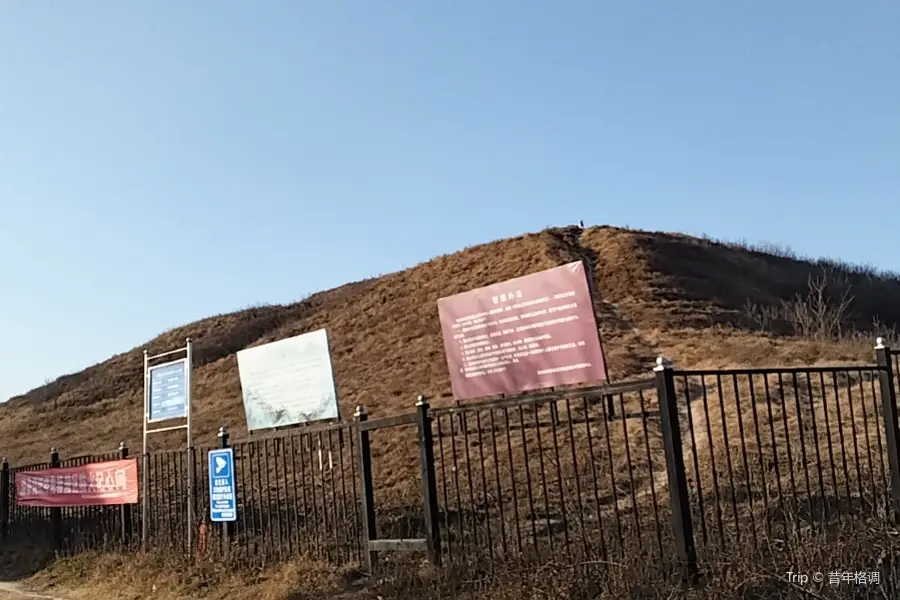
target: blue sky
<point>164,161</point>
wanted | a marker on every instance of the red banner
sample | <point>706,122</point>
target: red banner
<point>106,483</point>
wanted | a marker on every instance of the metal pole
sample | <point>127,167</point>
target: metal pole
<point>145,463</point>
<point>679,500</point>
<point>56,512</point>
<point>4,498</point>
<point>146,399</point>
<point>187,389</point>
<point>190,446</point>
<point>126,508</point>
<point>367,493</point>
<point>429,480</point>
<point>891,417</point>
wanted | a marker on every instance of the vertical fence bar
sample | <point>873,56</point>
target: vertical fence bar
<point>429,481</point>
<point>317,523</point>
<point>367,493</point>
<point>191,475</point>
<point>191,498</point>
<point>256,485</point>
<point>354,489</point>
<point>467,480</point>
<point>55,512</point>
<point>145,499</point>
<point>244,523</point>
<point>279,482</point>
<point>682,526</point>
<point>267,535</point>
<point>4,498</point>
<point>497,483</point>
<point>889,412</point>
<point>484,488</point>
<point>125,513</point>
<point>329,505</point>
<point>302,540</point>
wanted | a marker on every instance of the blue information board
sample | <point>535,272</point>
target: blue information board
<point>222,492</point>
<point>168,392</point>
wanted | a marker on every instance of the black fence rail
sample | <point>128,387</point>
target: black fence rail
<point>772,452</point>
<point>553,478</point>
<point>92,528</point>
<point>893,357</point>
<point>674,471</point>
<point>296,494</point>
<point>25,521</point>
<point>164,501</point>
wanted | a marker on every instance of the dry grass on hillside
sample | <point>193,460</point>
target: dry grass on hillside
<point>387,348</point>
<point>661,294</point>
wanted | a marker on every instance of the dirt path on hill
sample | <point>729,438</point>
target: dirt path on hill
<point>660,482</point>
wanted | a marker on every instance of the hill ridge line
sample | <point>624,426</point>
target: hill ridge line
<point>655,294</point>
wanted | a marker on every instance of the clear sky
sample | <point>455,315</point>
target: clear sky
<point>164,161</point>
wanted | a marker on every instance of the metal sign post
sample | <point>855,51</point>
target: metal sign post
<point>167,397</point>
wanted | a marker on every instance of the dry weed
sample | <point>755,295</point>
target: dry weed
<point>774,574</point>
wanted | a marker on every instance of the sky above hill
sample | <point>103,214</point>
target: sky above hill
<point>165,161</point>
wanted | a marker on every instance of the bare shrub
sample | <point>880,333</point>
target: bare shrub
<point>883,330</point>
<point>764,316</point>
<point>821,314</point>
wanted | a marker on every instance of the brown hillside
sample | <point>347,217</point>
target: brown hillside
<point>661,294</point>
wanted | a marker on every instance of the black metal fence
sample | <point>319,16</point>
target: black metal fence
<point>553,476</point>
<point>673,471</point>
<point>66,530</point>
<point>296,495</point>
<point>770,452</point>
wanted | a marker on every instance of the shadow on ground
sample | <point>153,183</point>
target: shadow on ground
<point>21,560</point>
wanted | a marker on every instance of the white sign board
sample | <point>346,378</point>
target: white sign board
<point>288,382</point>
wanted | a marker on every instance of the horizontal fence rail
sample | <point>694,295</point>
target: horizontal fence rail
<point>674,471</point>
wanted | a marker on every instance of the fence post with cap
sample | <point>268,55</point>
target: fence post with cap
<point>4,498</point>
<point>125,508</point>
<point>56,512</point>
<point>429,480</point>
<point>367,493</point>
<point>682,525</point>
<point>889,413</point>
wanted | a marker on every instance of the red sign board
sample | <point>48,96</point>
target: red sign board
<point>527,333</point>
<point>106,483</point>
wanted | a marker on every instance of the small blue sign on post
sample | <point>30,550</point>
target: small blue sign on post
<point>222,492</point>
<point>168,391</point>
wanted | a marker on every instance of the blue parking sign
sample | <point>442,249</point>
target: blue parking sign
<point>222,491</point>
